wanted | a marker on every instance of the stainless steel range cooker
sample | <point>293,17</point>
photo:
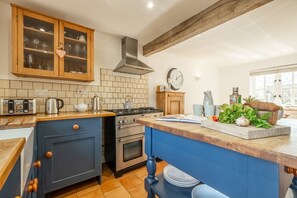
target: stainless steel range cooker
<point>124,138</point>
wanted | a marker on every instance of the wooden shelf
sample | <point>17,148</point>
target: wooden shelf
<point>74,40</point>
<point>75,57</point>
<point>38,51</point>
<point>166,190</point>
<point>39,31</point>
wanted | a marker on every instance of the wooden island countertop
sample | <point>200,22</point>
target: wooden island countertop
<point>10,151</point>
<point>280,149</point>
<point>23,121</point>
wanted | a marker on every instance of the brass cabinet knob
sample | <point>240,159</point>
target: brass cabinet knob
<point>30,188</point>
<point>48,154</point>
<point>33,185</point>
<point>75,126</point>
<point>17,197</point>
<point>37,164</point>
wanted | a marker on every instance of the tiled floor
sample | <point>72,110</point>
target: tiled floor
<point>130,185</point>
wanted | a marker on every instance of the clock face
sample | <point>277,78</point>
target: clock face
<point>175,77</point>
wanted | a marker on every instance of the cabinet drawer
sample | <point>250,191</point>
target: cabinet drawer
<point>62,127</point>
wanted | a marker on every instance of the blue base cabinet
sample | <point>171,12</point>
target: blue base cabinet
<point>12,186</point>
<point>70,151</point>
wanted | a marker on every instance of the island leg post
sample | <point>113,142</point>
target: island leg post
<point>151,178</point>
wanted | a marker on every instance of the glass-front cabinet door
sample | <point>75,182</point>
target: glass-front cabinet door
<point>47,47</point>
<point>76,41</point>
<point>37,41</point>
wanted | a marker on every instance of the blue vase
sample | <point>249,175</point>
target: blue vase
<point>207,100</point>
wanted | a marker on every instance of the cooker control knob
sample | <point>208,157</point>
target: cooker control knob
<point>121,121</point>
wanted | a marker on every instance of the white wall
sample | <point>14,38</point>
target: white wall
<point>163,61</point>
<point>238,76</point>
<point>108,54</point>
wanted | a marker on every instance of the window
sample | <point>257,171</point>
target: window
<point>279,87</point>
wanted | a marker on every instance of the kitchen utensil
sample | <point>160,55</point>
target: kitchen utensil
<point>203,190</point>
<point>128,104</point>
<point>198,109</point>
<point>30,60</point>
<point>82,38</point>
<point>207,100</point>
<point>178,178</point>
<point>97,103</point>
<point>52,105</point>
<point>82,107</point>
<point>36,43</point>
<point>209,110</point>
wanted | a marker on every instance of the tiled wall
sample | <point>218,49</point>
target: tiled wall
<point>112,90</point>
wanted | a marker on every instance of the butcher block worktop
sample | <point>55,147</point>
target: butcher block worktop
<point>10,151</point>
<point>280,149</point>
<point>30,120</point>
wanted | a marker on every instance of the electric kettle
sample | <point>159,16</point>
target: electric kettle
<point>52,105</point>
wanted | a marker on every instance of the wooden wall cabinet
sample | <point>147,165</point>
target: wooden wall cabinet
<point>35,39</point>
<point>171,102</point>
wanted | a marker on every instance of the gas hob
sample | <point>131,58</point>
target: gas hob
<point>141,110</point>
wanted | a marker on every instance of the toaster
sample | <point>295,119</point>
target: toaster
<point>10,106</point>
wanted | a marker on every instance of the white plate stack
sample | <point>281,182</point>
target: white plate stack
<point>205,191</point>
<point>178,178</point>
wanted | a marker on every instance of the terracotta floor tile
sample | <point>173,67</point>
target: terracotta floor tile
<point>68,192</point>
<point>109,185</point>
<point>138,191</point>
<point>107,171</point>
<point>92,194</point>
<point>86,186</point>
<point>140,172</point>
<point>119,192</point>
<point>130,180</point>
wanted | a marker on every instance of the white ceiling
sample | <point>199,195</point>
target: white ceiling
<point>267,32</point>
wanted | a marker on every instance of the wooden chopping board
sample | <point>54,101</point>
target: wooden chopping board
<point>249,132</point>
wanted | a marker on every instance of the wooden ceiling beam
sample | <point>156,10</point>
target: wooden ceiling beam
<point>218,13</point>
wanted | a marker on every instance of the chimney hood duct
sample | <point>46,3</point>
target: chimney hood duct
<point>129,63</point>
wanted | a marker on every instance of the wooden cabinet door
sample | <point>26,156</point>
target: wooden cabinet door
<point>78,45</point>
<point>175,103</point>
<point>35,39</point>
<point>74,158</point>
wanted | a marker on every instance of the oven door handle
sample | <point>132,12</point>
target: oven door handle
<point>129,125</point>
<point>130,138</point>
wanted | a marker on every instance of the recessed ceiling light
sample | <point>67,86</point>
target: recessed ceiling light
<point>150,4</point>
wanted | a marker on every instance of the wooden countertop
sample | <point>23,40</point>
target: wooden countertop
<point>280,149</point>
<point>30,120</point>
<point>10,151</point>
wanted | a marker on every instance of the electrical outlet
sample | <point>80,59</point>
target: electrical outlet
<point>82,92</point>
<point>41,92</point>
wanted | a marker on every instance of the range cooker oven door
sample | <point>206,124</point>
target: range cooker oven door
<point>130,151</point>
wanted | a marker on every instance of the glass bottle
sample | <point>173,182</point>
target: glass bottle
<point>235,97</point>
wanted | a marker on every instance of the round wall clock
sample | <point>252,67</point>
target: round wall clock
<point>175,78</point>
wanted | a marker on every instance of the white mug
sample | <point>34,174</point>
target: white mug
<point>198,109</point>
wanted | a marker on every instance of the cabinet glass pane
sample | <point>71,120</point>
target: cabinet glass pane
<point>38,44</point>
<point>75,44</point>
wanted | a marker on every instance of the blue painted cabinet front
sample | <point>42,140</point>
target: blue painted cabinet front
<point>70,151</point>
<point>12,186</point>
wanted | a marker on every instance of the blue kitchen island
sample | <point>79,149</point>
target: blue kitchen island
<point>236,167</point>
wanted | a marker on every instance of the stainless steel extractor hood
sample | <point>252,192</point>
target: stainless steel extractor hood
<point>129,63</point>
